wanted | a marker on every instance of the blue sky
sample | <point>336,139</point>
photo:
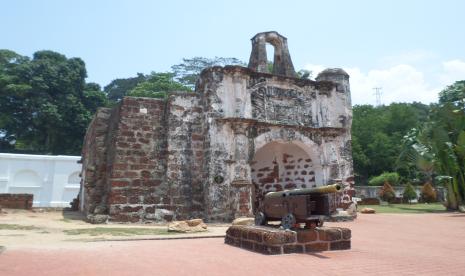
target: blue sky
<point>411,49</point>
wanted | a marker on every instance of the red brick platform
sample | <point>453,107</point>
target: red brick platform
<point>272,241</point>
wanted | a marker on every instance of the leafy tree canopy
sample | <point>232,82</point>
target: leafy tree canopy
<point>45,102</point>
<point>189,70</point>
<point>119,88</point>
<point>158,85</point>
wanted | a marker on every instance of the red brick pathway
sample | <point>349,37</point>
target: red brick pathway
<point>430,244</point>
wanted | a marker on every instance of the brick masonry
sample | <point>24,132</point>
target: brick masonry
<point>273,241</point>
<point>16,201</point>
<point>214,152</point>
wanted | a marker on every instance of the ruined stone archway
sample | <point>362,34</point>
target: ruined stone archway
<point>278,166</point>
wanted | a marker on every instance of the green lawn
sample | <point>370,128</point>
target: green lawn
<point>97,231</point>
<point>17,227</point>
<point>418,208</point>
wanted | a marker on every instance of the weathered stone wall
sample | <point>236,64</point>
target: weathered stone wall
<point>185,148</point>
<point>137,162</point>
<point>214,153</point>
<point>94,162</point>
<point>144,160</point>
<point>246,111</point>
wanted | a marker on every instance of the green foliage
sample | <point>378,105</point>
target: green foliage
<point>428,194</point>
<point>46,104</point>
<point>377,133</point>
<point>386,192</point>
<point>408,208</point>
<point>390,177</point>
<point>304,74</point>
<point>189,70</point>
<point>438,146</point>
<point>409,192</point>
<point>113,231</point>
<point>119,88</point>
<point>453,94</point>
<point>158,85</point>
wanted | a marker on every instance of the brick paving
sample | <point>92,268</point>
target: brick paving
<point>382,244</point>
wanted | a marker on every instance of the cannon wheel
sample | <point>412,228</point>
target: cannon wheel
<point>260,218</point>
<point>288,221</point>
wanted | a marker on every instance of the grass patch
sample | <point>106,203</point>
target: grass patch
<point>17,227</point>
<point>419,208</point>
<point>98,231</point>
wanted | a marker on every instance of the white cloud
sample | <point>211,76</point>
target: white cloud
<point>400,83</point>
<point>454,70</point>
<point>408,57</point>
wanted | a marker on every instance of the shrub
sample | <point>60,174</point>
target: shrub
<point>428,194</point>
<point>386,192</point>
<point>390,177</point>
<point>409,192</point>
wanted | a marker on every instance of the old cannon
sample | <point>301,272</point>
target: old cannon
<point>309,206</point>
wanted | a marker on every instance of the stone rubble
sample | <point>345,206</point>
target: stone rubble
<point>187,226</point>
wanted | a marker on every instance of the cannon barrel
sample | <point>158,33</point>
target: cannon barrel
<point>334,188</point>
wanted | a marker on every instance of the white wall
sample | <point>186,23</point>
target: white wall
<point>54,180</point>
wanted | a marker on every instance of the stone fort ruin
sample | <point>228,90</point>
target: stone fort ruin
<point>214,153</point>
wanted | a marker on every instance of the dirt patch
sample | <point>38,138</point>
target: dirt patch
<point>42,229</point>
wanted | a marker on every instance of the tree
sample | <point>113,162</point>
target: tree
<point>386,192</point>
<point>119,88</point>
<point>189,70</point>
<point>428,194</point>
<point>439,144</point>
<point>409,193</point>
<point>377,134</point>
<point>158,85</point>
<point>45,103</point>
<point>304,74</point>
<point>390,177</point>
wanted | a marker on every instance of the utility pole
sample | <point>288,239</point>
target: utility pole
<point>378,95</point>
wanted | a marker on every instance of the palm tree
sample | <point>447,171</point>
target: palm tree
<point>439,145</point>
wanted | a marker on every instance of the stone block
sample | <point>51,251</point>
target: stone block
<point>273,250</point>
<point>293,248</point>
<point>255,235</point>
<point>234,232</point>
<point>340,245</point>
<point>346,233</point>
<point>279,237</point>
<point>229,240</point>
<point>368,211</point>
<point>329,234</point>
<point>247,244</point>
<point>317,246</point>
<point>243,221</point>
<point>307,235</point>
<point>186,227</point>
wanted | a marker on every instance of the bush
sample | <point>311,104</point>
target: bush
<point>409,192</point>
<point>386,192</point>
<point>391,177</point>
<point>428,194</point>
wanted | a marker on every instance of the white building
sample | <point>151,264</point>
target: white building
<point>53,180</point>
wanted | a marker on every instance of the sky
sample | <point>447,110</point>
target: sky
<point>411,49</point>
